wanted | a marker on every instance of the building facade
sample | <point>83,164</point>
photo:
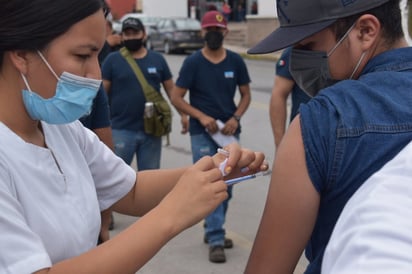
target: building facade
<point>258,15</point>
<point>240,9</point>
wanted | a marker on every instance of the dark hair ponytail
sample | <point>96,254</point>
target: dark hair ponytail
<point>33,24</point>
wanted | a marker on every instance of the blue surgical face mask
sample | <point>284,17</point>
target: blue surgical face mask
<point>73,99</point>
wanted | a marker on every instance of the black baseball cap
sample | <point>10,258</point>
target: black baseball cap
<point>300,19</point>
<point>132,23</point>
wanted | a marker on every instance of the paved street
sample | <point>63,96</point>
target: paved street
<point>187,254</point>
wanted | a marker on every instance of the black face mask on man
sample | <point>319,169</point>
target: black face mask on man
<point>133,44</point>
<point>310,69</point>
<point>214,39</point>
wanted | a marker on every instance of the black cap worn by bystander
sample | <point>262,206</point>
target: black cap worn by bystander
<point>300,19</point>
<point>132,23</point>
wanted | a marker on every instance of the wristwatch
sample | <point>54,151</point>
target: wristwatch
<point>237,118</point>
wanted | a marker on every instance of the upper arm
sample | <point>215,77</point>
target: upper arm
<point>107,85</point>
<point>290,211</point>
<point>282,87</point>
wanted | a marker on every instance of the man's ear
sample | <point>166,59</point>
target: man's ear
<point>369,30</point>
<point>19,58</point>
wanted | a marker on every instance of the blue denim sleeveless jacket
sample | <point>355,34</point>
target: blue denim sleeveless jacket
<point>350,130</point>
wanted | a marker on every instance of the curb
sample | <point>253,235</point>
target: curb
<point>242,51</point>
<point>264,57</point>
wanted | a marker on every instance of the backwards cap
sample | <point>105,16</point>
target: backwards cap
<point>300,19</point>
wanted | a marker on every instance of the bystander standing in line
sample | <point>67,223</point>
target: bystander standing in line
<point>127,99</point>
<point>212,75</point>
<point>283,87</point>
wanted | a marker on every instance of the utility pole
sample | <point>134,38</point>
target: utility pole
<point>409,7</point>
<point>139,5</point>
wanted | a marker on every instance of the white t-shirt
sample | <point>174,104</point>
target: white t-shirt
<point>373,235</point>
<point>51,198</point>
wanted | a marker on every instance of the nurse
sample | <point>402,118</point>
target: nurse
<point>56,176</point>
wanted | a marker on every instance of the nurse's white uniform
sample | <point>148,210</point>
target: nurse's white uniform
<point>373,235</point>
<point>51,198</point>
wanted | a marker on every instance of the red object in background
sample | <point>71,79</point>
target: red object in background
<point>121,7</point>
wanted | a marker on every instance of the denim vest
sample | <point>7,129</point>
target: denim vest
<point>350,130</point>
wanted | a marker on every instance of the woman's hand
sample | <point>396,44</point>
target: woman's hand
<point>201,188</point>
<point>240,161</point>
<point>197,193</point>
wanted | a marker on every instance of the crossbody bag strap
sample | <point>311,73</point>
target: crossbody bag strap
<point>149,92</point>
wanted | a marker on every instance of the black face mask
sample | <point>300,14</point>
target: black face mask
<point>214,39</point>
<point>133,44</point>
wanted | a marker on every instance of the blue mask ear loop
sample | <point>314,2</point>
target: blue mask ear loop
<point>48,65</point>
<point>25,82</point>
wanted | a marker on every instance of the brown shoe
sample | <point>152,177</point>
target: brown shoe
<point>227,244</point>
<point>217,254</point>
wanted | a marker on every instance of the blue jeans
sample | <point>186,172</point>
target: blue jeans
<point>147,148</point>
<point>203,145</point>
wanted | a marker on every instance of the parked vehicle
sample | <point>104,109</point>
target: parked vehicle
<point>175,35</point>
